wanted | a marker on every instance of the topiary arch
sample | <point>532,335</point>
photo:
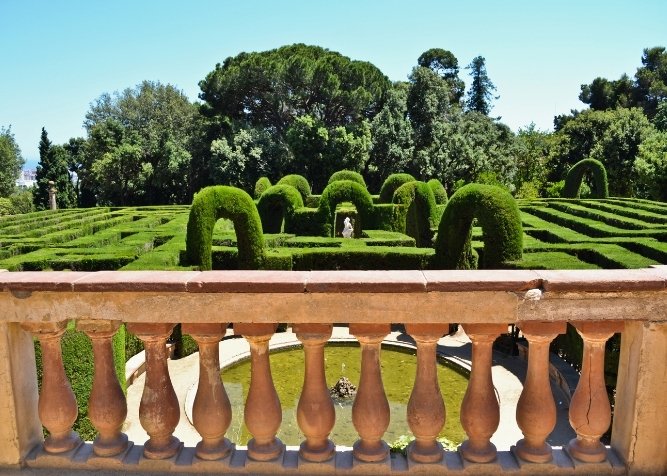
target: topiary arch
<point>496,212</point>
<point>575,176</point>
<point>260,186</point>
<point>345,191</point>
<point>299,182</point>
<point>221,201</point>
<point>420,213</point>
<point>276,203</point>
<point>390,185</point>
<point>347,175</point>
<point>439,191</point>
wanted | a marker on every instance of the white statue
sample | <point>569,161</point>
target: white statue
<point>347,229</point>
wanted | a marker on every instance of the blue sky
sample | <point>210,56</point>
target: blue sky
<point>59,56</point>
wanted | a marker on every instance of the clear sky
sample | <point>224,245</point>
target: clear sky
<point>58,56</point>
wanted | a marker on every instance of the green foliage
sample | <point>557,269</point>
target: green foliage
<point>11,162</point>
<point>444,64</point>
<point>390,185</point>
<point>575,177</point>
<point>650,167</point>
<point>532,156</point>
<point>347,175</point>
<point>345,191</point>
<point>388,217</point>
<point>528,191</point>
<point>481,90</point>
<point>260,186</point>
<point>439,191</point>
<point>299,182</point>
<point>213,203</point>
<point>428,104</point>
<point>309,222</point>
<point>52,166</point>
<point>498,215</point>
<point>276,203</point>
<point>418,198</point>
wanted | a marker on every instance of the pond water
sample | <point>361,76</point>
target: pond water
<point>398,374</point>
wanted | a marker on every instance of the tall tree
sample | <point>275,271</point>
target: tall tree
<point>444,64</point>
<point>53,166</point>
<point>482,89</point>
<point>11,162</point>
<point>651,80</point>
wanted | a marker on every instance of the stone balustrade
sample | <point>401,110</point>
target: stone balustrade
<point>598,303</point>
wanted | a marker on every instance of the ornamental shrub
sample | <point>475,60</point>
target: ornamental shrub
<point>420,216</point>
<point>347,175</point>
<point>276,203</point>
<point>221,201</point>
<point>345,191</point>
<point>260,186</point>
<point>299,182</point>
<point>439,191</point>
<point>391,184</point>
<point>498,215</point>
<point>575,176</point>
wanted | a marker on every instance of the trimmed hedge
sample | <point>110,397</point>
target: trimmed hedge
<point>575,176</point>
<point>496,212</point>
<point>439,191</point>
<point>391,184</point>
<point>276,203</point>
<point>221,201</point>
<point>345,191</point>
<point>262,184</point>
<point>347,175</point>
<point>308,222</point>
<point>299,182</point>
<point>388,217</point>
<point>421,213</point>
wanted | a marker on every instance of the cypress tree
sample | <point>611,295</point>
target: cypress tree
<point>53,166</point>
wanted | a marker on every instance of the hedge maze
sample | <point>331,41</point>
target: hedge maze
<point>281,230</point>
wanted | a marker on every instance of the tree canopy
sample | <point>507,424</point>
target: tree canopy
<point>11,162</point>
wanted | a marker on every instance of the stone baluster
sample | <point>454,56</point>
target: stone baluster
<point>370,411</point>
<point>158,411</point>
<point>536,410</point>
<point>57,406</point>
<point>263,413</point>
<point>426,409</point>
<point>315,413</point>
<point>480,412</point>
<point>211,411</point>
<point>107,406</point>
<point>590,412</point>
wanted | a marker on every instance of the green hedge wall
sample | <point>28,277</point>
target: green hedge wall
<point>261,185</point>
<point>276,203</point>
<point>347,175</point>
<point>220,201</point>
<point>439,191</point>
<point>496,212</point>
<point>575,176</point>
<point>388,217</point>
<point>345,191</point>
<point>299,182</point>
<point>307,222</point>
<point>421,211</point>
<point>390,185</point>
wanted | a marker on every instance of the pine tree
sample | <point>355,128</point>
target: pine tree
<point>481,90</point>
<point>52,165</point>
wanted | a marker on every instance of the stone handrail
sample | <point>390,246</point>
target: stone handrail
<point>598,303</point>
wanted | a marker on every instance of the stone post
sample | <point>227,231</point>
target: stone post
<point>107,406</point>
<point>211,411</point>
<point>480,412</point>
<point>263,413</point>
<point>370,411</point>
<point>158,410</point>
<point>52,195</point>
<point>536,410</point>
<point>57,405</point>
<point>315,413</point>
<point>590,412</point>
<point>426,409</point>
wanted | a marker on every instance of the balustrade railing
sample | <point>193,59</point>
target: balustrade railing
<point>540,303</point>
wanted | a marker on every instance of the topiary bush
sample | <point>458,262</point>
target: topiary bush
<point>299,182</point>
<point>221,201</point>
<point>276,203</point>
<point>496,212</point>
<point>260,186</point>
<point>391,184</point>
<point>345,191</point>
<point>420,215</point>
<point>439,191</point>
<point>575,176</point>
<point>347,175</point>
